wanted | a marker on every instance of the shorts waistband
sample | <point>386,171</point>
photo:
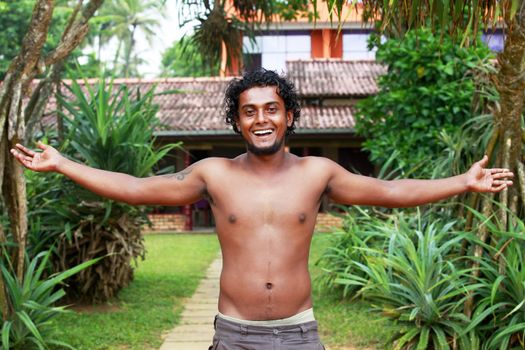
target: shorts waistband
<point>226,328</point>
<point>302,317</point>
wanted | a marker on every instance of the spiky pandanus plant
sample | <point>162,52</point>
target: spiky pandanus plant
<point>463,20</point>
<point>110,129</point>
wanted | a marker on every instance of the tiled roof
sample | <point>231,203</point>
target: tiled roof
<point>319,118</point>
<point>313,118</point>
<point>335,78</point>
<point>196,105</point>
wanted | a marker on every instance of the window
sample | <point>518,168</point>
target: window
<point>355,46</point>
<point>272,50</point>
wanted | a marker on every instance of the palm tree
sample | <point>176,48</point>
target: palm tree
<point>127,17</point>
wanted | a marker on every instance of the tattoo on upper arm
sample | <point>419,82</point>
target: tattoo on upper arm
<point>181,175</point>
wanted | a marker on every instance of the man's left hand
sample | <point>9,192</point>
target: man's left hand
<point>480,179</point>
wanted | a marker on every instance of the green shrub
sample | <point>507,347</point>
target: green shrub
<point>361,229</point>
<point>110,129</point>
<point>31,301</point>
<point>413,275</point>
<point>427,91</point>
<point>499,315</point>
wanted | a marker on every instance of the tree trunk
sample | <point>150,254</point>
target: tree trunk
<point>14,114</point>
<point>510,83</point>
<point>12,125</point>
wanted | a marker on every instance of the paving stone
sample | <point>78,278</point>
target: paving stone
<point>185,337</point>
<point>196,320</point>
<point>185,345</point>
<point>195,331</point>
<point>197,306</point>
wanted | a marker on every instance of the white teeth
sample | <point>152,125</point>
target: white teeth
<point>262,132</point>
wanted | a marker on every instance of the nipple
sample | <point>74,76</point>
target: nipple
<point>302,218</point>
<point>232,219</point>
<point>269,285</point>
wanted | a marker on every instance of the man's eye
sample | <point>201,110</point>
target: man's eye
<point>272,110</point>
<point>250,112</point>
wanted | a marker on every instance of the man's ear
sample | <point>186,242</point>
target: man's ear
<point>237,123</point>
<point>289,118</point>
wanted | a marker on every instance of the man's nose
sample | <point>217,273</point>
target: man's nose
<point>261,116</point>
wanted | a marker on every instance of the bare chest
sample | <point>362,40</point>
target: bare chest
<point>275,202</point>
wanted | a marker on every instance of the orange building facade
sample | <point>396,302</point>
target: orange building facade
<point>300,39</point>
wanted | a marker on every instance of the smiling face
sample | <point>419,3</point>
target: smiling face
<point>263,120</point>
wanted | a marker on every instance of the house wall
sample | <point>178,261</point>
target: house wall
<point>332,147</point>
<point>165,222</point>
<point>326,222</point>
<point>271,49</point>
<point>326,43</point>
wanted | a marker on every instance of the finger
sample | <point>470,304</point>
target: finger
<point>25,160</point>
<point>25,149</point>
<point>503,175</point>
<point>17,154</point>
<point>500,182</point>
<point>498,188</point>
<point>484,161</point>
<point>41,145</point>
<point>498,170</point>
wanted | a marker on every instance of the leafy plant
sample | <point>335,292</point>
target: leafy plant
<point>499,315</point>
<point>33,303</point>
<point>418,280</point>
<point>182,59</point>
<point>112,129</point>
<point>361,229</point>
<point>428,90</point>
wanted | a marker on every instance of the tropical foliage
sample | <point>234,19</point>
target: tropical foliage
<point>122,20</point>
<point>110,129</point>
<point>184,60</point>
<point>33,303</point>
<point>14,20</point>
<point>411,268</point>
<point>427,92</point>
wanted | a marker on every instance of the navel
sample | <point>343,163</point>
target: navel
<point>302,218</point>
<point>232,219</point>
<point>269,285</point>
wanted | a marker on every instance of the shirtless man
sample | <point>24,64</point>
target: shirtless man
<point>265,204</point>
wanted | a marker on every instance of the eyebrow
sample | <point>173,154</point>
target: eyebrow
<point>253,104</point>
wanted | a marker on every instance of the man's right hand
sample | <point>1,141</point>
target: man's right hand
<point>47,160</point>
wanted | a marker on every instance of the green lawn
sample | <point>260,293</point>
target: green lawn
<point>171,272</point>
<point>344,324</point>
<point>173,267</point>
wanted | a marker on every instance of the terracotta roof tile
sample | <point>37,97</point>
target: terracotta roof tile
<point>334,78</point>
<point>316,118</point>
<point>196,104</point>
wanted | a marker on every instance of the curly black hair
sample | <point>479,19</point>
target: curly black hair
<point>260,78</point>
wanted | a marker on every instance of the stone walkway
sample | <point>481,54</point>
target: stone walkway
<point>195,332</point>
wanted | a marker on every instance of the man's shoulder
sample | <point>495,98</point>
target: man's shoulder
<point>317,162</point>
<point>209,163</point>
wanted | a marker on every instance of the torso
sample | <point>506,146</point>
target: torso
<point>265,225</point>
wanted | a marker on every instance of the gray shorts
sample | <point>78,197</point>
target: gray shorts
<point>236,336</point>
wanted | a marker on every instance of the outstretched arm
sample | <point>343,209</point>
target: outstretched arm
<point>348,188</point>
<point>184,187</point>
